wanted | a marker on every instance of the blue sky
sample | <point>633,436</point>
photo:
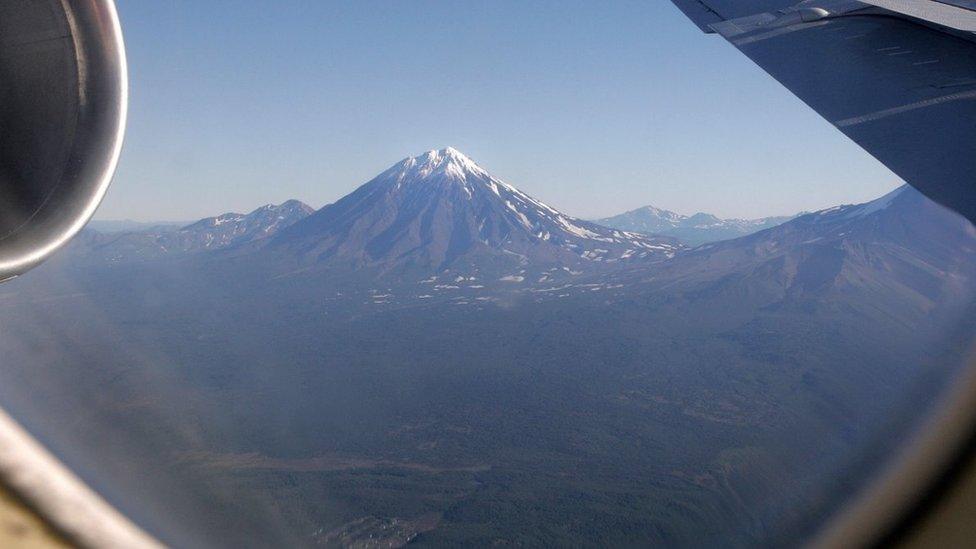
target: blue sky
<point>593,107</point>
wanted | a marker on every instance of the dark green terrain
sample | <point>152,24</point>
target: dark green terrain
<point>728,396</point>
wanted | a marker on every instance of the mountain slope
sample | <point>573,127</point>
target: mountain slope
<point>441,211</point>
<point>693,230</point>
<point>894,257</point>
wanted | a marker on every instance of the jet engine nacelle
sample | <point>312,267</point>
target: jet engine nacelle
<point>63,98</point>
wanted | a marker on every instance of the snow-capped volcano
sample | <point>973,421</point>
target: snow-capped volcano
<point>441,210</point>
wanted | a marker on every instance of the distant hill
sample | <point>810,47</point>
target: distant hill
<point>129,226</point>
<point>693,230</point>
<point>213,233</point>
<point>901,246</point>
<point>233,228</point>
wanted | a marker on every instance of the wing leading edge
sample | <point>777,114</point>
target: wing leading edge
<point>902,88</point>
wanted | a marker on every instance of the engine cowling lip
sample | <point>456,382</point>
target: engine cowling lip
<point>96,31</point>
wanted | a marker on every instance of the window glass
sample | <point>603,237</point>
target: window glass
<point>536,274</point>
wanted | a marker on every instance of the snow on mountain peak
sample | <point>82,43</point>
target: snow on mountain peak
<point>448,162</point>
<point>857,211</point>
<point>884,202</point>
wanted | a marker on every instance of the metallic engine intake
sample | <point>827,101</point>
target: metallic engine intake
<point>63,96</point>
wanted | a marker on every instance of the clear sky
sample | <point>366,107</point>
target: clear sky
<point>593,107</point>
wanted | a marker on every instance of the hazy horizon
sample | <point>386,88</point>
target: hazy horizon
<point>248,209</point>
<point>594,109</point>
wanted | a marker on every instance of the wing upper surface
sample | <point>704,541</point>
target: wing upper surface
<point>955,14</point>
<point>902,90</point>
<point>706,12</point>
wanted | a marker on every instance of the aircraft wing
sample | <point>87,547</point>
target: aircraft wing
<point>896,76</point>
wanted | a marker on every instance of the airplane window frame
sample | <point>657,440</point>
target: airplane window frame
<point>905,493</point>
